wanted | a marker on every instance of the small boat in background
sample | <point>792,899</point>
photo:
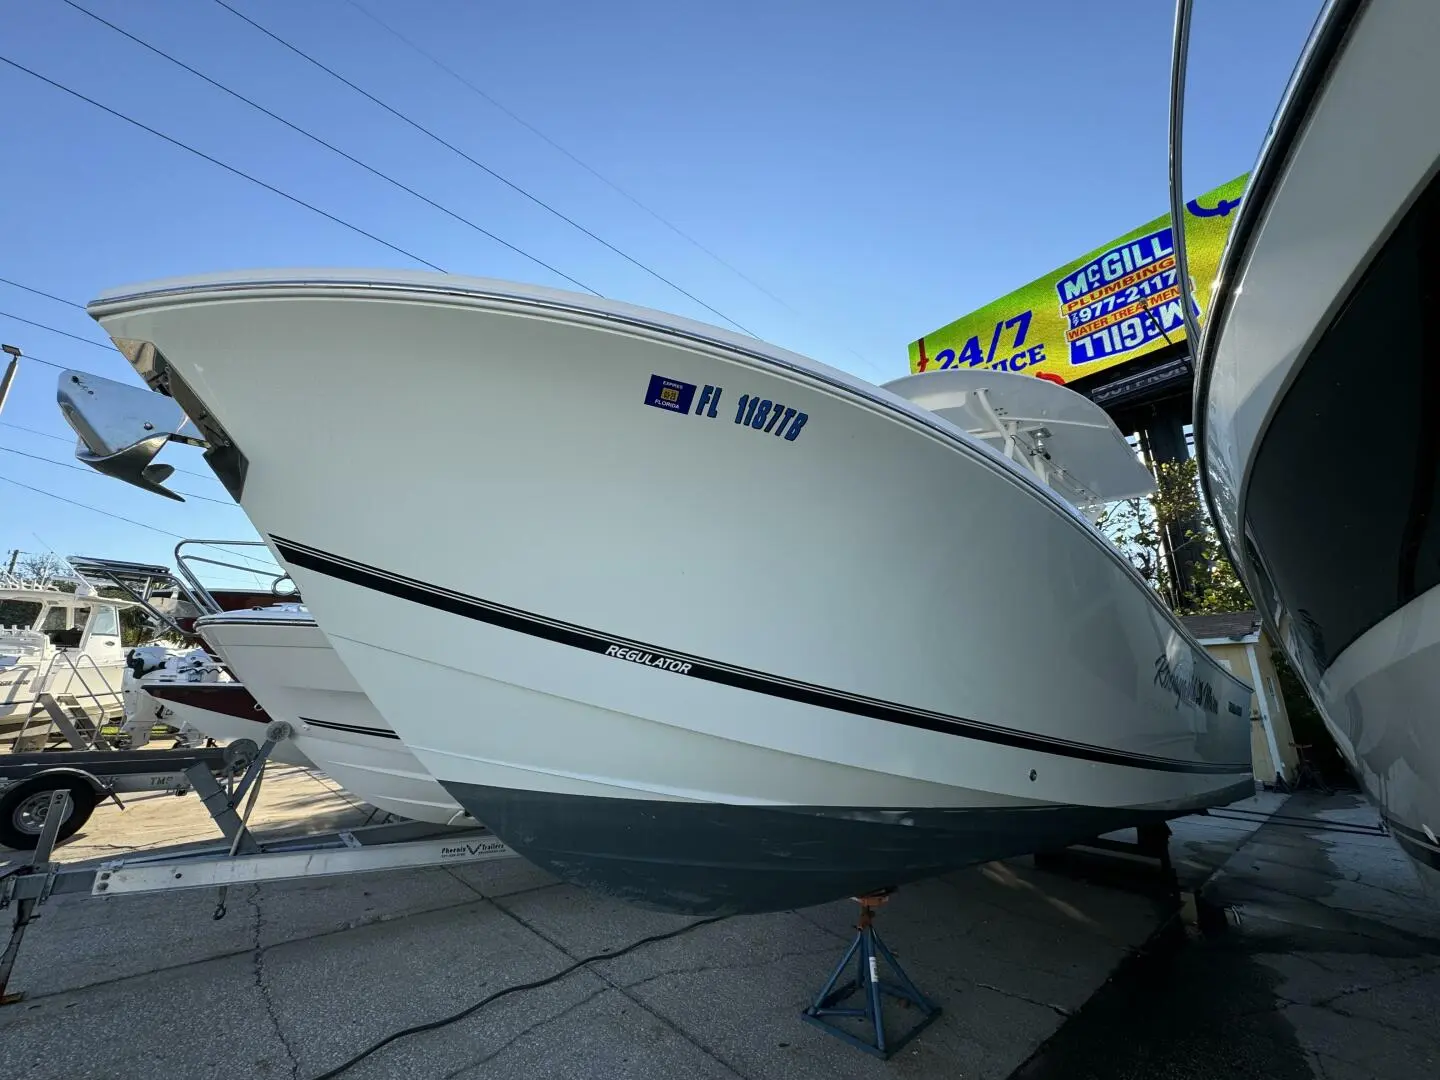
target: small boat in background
<point>290,668</point>
<point>193,692</point>
<point>62,643</point>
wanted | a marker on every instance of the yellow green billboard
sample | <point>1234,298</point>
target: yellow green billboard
<point>1111,306</point>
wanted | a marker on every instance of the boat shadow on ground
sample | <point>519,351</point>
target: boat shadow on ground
<point>1247,975</point>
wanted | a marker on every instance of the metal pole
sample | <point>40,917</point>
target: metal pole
<point>55,815</point>
<point>1178,57</point>
<point>9,373</point>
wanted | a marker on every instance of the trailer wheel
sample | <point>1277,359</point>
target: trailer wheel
<point>23,808</point>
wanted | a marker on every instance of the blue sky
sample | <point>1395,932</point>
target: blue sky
<point>878,168</point>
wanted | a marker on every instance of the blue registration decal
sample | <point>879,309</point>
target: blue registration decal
<point>754,413</point>
<point>669,394</point>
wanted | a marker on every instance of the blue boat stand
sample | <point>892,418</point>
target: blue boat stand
<point>868,951</point>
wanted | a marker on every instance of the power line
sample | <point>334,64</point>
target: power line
<point>47,326</point>
<point>96,509</point>
<point>598,175</point>
<point>480,165</point>
<point>53,330</point>
<point>47,363</point>
<point>37,431</point>
<point>216,161</point>
<point>331,147</point>
<point>91,472</point>
<point>573,157</point>
<point>69,442</point>
<point>64,367</point>
<point>131,521</point>
<point>42,292</point>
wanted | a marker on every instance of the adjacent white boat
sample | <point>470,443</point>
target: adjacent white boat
<point>66,644</point>
<point>1318,397</point>
<point>679,615</point>
<point>290,668</point>
<point>193,692</point>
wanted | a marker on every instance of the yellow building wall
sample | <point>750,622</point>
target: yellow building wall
<point>1279,717</point>
<point>1235,657</point>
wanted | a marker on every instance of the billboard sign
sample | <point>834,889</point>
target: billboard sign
<point>1116,304</point>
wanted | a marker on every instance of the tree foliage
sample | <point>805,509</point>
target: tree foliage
<point>40,569</point>
<point>1176,512</point>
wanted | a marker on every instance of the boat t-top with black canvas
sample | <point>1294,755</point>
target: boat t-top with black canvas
<point>679,615</point>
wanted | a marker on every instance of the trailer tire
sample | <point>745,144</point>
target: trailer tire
<point>22,810</point>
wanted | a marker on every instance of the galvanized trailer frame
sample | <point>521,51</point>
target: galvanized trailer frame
<point>241,859</point>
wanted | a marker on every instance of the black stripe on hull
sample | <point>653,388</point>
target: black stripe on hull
<point>226,620</point>
<point>593,641</point>
<point>722,859</point>
<point>353,729</point>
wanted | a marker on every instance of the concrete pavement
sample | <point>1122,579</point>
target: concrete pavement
<point>300,977</point>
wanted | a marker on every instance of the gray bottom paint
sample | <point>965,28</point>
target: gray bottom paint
<point>715,858</point>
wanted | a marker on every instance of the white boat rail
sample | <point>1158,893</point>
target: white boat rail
<point>76,662</point>
<point>104,701</point>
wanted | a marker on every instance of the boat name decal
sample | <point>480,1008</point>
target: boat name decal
<point>1192,689</point>
<point>751,411</point>
<point>648,659</point>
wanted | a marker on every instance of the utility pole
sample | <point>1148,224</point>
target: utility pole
<point>14,351</point>
<point>1165,440</point>
<point>5,384</point>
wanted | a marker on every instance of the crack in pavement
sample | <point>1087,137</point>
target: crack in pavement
<point>702,968</point>
<point>1328,1002</point>
<point>823,928</point>
<point>245,950</point>
<point>546,1022</point>
<point>1059,1009</point>
<point>258,952</point>
<point>483,895</point>
<point>708,1051</point>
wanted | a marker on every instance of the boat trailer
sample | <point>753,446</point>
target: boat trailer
<point>228,781</point>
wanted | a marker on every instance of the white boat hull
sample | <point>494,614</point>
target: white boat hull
<point>1320,467</point>
<point>287,663</point>
<point>1382,696</point>
<point>224,711</point>
<point>691,660</point>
